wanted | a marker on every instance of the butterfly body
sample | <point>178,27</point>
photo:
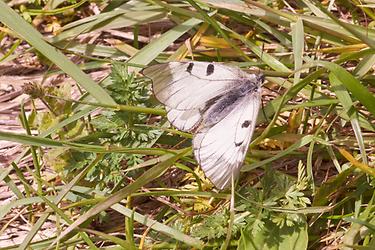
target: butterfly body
<point>221,106</point>
<point>218,103</point>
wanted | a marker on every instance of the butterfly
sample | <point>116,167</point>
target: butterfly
<point>218,103</point>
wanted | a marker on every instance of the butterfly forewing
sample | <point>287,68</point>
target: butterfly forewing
<point>218,102</point>
<point>189,85</point>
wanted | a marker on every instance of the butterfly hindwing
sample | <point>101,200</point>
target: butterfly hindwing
<point>221,149</point>
<point>185,120</point>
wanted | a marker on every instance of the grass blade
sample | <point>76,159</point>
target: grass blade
<point>34,38</point>
<point>145,178</point>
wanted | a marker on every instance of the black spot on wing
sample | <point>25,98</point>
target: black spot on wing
<point>246,124</point>
<point>237,144</point>
<point>210,69</point>
<point>190,67</point>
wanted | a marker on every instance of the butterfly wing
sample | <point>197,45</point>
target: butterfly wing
<point>186,87</point>
<point>185,120</point>
<point>220,101</point>
<point>220,149</point>
<point>189,85</point>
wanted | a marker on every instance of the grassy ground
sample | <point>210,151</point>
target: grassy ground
<point>100,167</point>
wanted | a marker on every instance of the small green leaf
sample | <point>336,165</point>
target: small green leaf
<point>272,237</point>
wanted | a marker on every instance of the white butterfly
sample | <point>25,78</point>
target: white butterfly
<point>218,103</point>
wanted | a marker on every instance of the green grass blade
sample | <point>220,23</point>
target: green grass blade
<point>360,92</point>
<point>159,227</point>
<point>145,178</point>
<point>298,47</point>
<point>35,39</point>
<point>271,61</point>
<point>354,30</point>
<point>300,143</point>
<point>364,66</point>
<point>36,227</point>
<point>348,105</point>
<point>119,18</point>
<point>152,50</point>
